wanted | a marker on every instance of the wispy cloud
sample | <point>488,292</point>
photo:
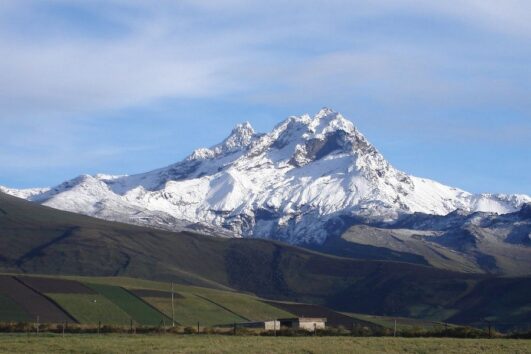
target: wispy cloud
<point>207,49</point>
<point>66,62</point>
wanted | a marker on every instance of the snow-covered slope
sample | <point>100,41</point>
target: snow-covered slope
<point>286,184</point>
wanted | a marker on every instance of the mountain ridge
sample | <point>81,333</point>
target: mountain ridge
<point>285,184</point>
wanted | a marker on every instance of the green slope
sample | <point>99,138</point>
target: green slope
<point>92,309</point>
<point>139,310</point>
<point>197,304</point>
<point>246,306</point>
<point>191,309</point>
<point>37,239</point>
<point>145,302</point>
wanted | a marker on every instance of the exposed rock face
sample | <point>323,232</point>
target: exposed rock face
<point>525,212</point>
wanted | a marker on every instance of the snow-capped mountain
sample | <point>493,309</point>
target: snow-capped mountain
<point>286,184</point>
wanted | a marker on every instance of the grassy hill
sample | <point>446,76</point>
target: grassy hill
<point>37,239</point>
<point>120,301</point>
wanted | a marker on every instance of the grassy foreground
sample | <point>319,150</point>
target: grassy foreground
<point>247,344</point>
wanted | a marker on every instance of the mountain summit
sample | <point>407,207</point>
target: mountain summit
<point>240,137</point>
<point>288,184</point>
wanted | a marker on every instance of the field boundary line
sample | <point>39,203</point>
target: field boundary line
<point>47,298</point>
<point>148,304</point>
<point>223,307</point>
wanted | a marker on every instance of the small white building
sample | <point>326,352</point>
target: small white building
<point>272,325</point>
<point>269,325</point>
<point>307,323</point>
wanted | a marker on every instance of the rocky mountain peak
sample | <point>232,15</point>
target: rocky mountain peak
<point>286,184</point>
<point>328,120</point>
<point>240,137</point>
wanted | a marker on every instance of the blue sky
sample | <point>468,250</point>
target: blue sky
<point>441,88</point>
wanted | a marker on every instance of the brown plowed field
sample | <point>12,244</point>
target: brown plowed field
<point>56,286</point>
<point>32,302</point>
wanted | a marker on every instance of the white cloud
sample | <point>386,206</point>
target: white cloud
<point>213,48</point>
<point>507,16</point>
<point>56,67</point>
<point>79,76</point>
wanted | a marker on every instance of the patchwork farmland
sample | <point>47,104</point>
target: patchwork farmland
<point>118,301</point>
<point>122,301</point>
<point>55,300</point>
<point>29,303</point>
<point>191,309</point>
<point>195,304</point>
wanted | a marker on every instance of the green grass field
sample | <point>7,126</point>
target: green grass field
<point>92,308</point>
<point>230,344</point>
<point>116,306</point>
<point>139,311</point>
<point>246,306</point>
<point>192,309</point>
<point>214,307</point>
